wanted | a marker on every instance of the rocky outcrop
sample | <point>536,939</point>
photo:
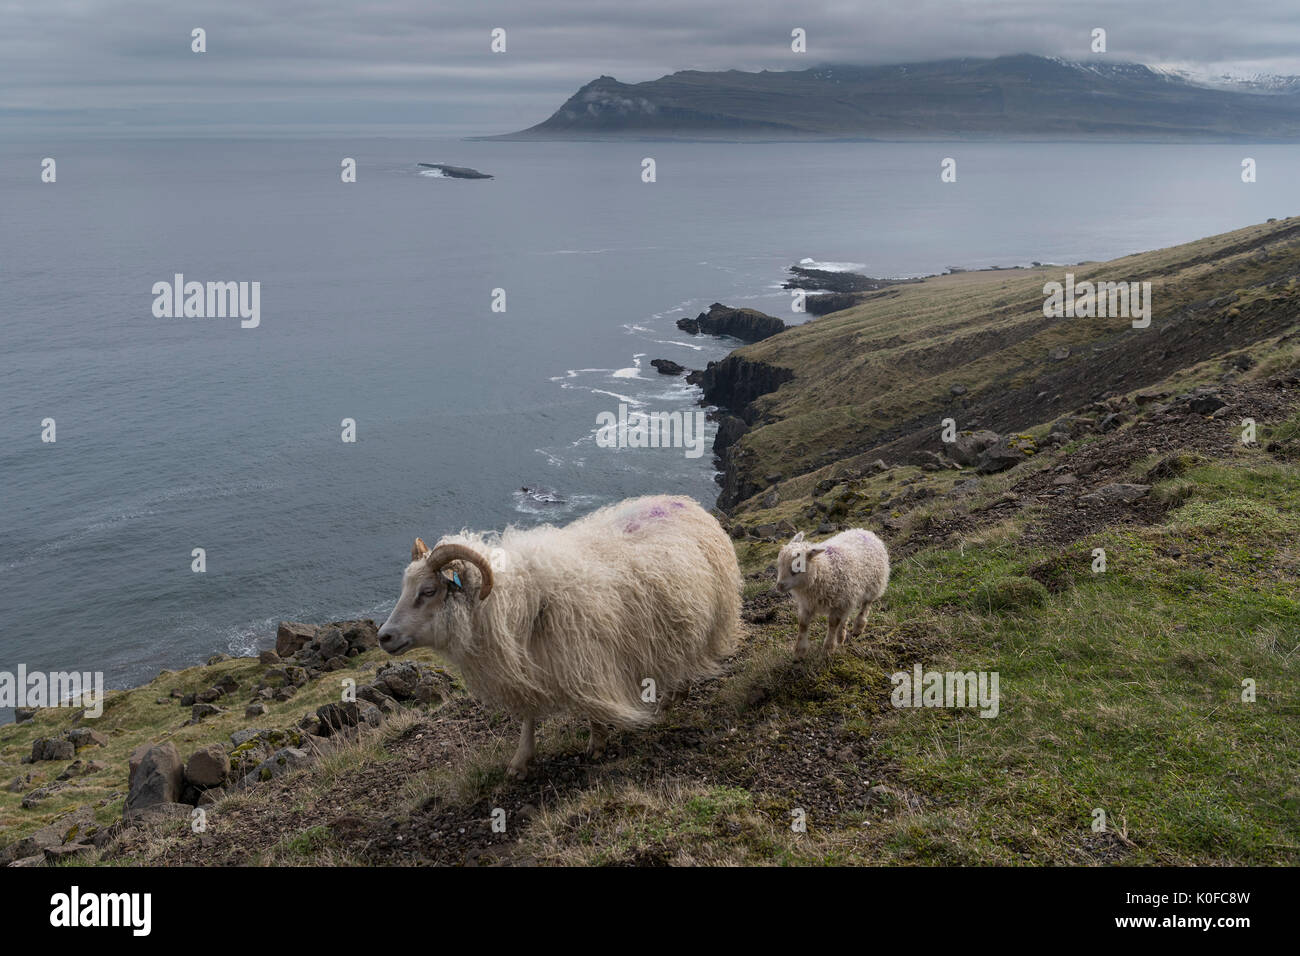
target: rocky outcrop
<point>291,635</point>
<point>841,282</point>
<point>748,325</point>
<point>158,778</point>
<point>668,367</point>
<point>736,381</point>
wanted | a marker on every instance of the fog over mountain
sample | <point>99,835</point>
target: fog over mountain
<point>127,65</point>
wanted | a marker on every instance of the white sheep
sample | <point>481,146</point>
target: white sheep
<point>602,618</point>
<point>840,577</point>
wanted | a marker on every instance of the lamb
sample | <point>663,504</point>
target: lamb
<point>840,577</point>
<point>579,618</point>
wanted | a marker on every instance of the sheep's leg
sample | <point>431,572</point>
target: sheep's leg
<point>524,754</point>
<point>860,623</point>
<point>596,741</point>
<point>801,645</point>
<point>834,632</point>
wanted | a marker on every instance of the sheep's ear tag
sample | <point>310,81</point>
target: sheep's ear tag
<point>454,581</point>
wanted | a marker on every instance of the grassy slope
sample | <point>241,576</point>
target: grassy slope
<point>1119,690</point>
<point>877,378</point>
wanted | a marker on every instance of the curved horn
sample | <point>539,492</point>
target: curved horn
<point>444,554</point>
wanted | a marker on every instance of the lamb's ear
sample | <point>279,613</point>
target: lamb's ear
<point>797,538</point>
<point>419,549</point>
<point>815,550</point>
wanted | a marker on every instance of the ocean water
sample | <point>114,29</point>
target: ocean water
<point>376,306</point>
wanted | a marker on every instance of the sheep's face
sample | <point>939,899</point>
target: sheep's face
<point>433,609</point>
<point>794,562</point>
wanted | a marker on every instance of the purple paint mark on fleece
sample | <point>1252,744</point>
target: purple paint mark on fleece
<point>654,511</point>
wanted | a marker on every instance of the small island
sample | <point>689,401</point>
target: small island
<point>457,172</point>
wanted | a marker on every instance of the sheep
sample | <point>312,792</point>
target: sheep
<point>577,618</point>
<point>840,577</point>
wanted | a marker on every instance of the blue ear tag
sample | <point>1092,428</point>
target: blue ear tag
<point>456,577</point>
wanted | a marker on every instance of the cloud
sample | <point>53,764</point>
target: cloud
<point>410,61</point>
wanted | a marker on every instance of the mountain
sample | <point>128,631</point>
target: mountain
<point>1021,96</point>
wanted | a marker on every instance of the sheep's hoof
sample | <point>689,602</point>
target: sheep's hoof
<point>514,772</point>
<point>800,651</point>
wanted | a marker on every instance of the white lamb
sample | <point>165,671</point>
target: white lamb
<point>840,578</point>
<point>585,619</point>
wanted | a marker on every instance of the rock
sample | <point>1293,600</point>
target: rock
<point>334,717</point>
<point>958,390</point>
<point>67,851</point>
<point>199,711</point>
<point>187,700</point>
<point>1115,494</point>
<point>24,714</point>
<point>967,487</point>
<point>456,172</point>
<point>748,325</point>
<point>361,635</point>
<point>283,761</point>
<point>31,800</point>
<point>668,367</point>
<point>209,695</point>
<point>968,446</point>
<point>332,643</point>
<point>1112,421</point>
<point>270,658</point>
<point>377,697</point>
<point>241,737</point>
<point>730,430</point>
<point>1205,403</point>
<point>256,710</point>
<point>1005,453</point>
<point>74,769</point>
<point>1066,479</point>
<point>157,779</point>
<point>158,811</point>
<point>52,748</point>
<point>208,767</point>
<point>290,636</point>
<point>1059,354</point>
<point>72,825</point>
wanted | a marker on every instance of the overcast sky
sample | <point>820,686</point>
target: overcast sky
<point>126,64</point>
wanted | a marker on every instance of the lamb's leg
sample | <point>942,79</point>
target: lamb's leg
<point>801,645</point>
<point>518,767</point>
<point>596,741</point>
<point>834,632</point>
<point>860,623</point>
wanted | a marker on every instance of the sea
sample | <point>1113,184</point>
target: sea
<point>430,353</point>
